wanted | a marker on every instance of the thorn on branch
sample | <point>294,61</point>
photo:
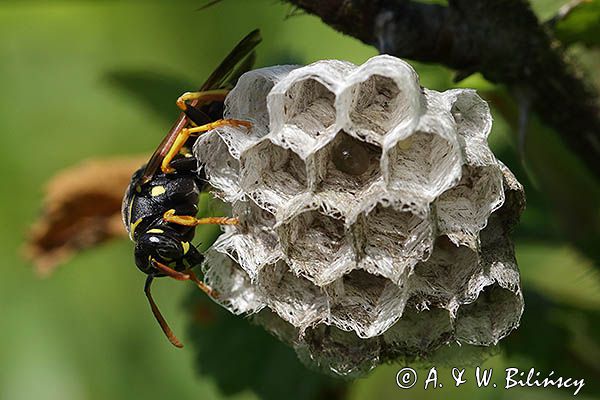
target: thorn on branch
<point>524,106</point>
<point>384,32</point>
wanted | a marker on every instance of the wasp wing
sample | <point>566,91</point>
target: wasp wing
<point>235,58</point>
<point>238,61</point>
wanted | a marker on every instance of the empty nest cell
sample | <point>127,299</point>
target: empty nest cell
<point>333,350</point>
<point>252,243</point>
<point>443,280</point>
<point>292,297</point>
<point>248,99</point>
<point>378,105</point>
<point>317,246</point>
<point>271,175</point>
<point>490,318</point>
<point>253,219</point>
<point>471,113</point>
<point>236,292</point>
<point>420,165</point>
<point>395,240</point>
<point>464,210</point>
<point>222,170</point>
<point>365,303</point>
<point>309,107</point>
<point>418,333</point>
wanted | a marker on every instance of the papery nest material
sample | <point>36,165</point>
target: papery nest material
<point>374,216</point>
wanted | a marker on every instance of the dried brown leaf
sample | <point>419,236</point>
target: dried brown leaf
<point>81,209</point>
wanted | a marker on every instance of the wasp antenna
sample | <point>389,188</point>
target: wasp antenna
<point>161,321</point>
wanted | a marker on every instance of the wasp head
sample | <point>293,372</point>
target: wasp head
<point>159,245</point>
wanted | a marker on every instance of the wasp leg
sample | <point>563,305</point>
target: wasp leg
<point>203,286</point>
<point>185,133</point>
<point>161,321</point>
<point>180,276</point>
<point>197,98</point>
<point>218,123</point>
<point>188,220</point>
<point>195,258</point>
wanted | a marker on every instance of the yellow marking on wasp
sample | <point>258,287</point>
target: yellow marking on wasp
<point>138,188</point>
<point>133,226</point>
<point>157,191</point>
<point>155,230</point>
<point>201,97</point>
<point>130,210</point>
<point>186,247</point>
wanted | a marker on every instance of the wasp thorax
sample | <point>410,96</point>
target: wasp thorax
<point>369,216</point>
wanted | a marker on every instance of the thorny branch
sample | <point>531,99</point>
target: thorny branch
<point>502,39</point>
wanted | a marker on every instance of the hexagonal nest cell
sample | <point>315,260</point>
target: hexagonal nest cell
<point>272,175</point>
<point>470,113</point>
<point>309,107</point>
<point>317,246</point>
<point>338,352</point>
<point>347,170</point>
<point>348,165</point>
<point>252,243</point>
<point>378,106</point>
<point>418,333</point>
<point>364,303</point>
<point>231,282</point>
<point>221,168</point>
<point>443,280</point>
<point>253,220</point>
<point>422,166</point>
<point>492,316</point>
<point>394,241</point>
<point>370,223</point>
<point>464,210</point>
<point>248,100</point>
<point>292,297</point>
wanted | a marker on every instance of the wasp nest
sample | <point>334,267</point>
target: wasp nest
<point>374,218</point>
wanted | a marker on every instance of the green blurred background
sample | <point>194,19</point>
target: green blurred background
<point>83,79</point>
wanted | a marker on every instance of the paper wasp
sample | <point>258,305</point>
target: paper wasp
<point>160,205</point>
